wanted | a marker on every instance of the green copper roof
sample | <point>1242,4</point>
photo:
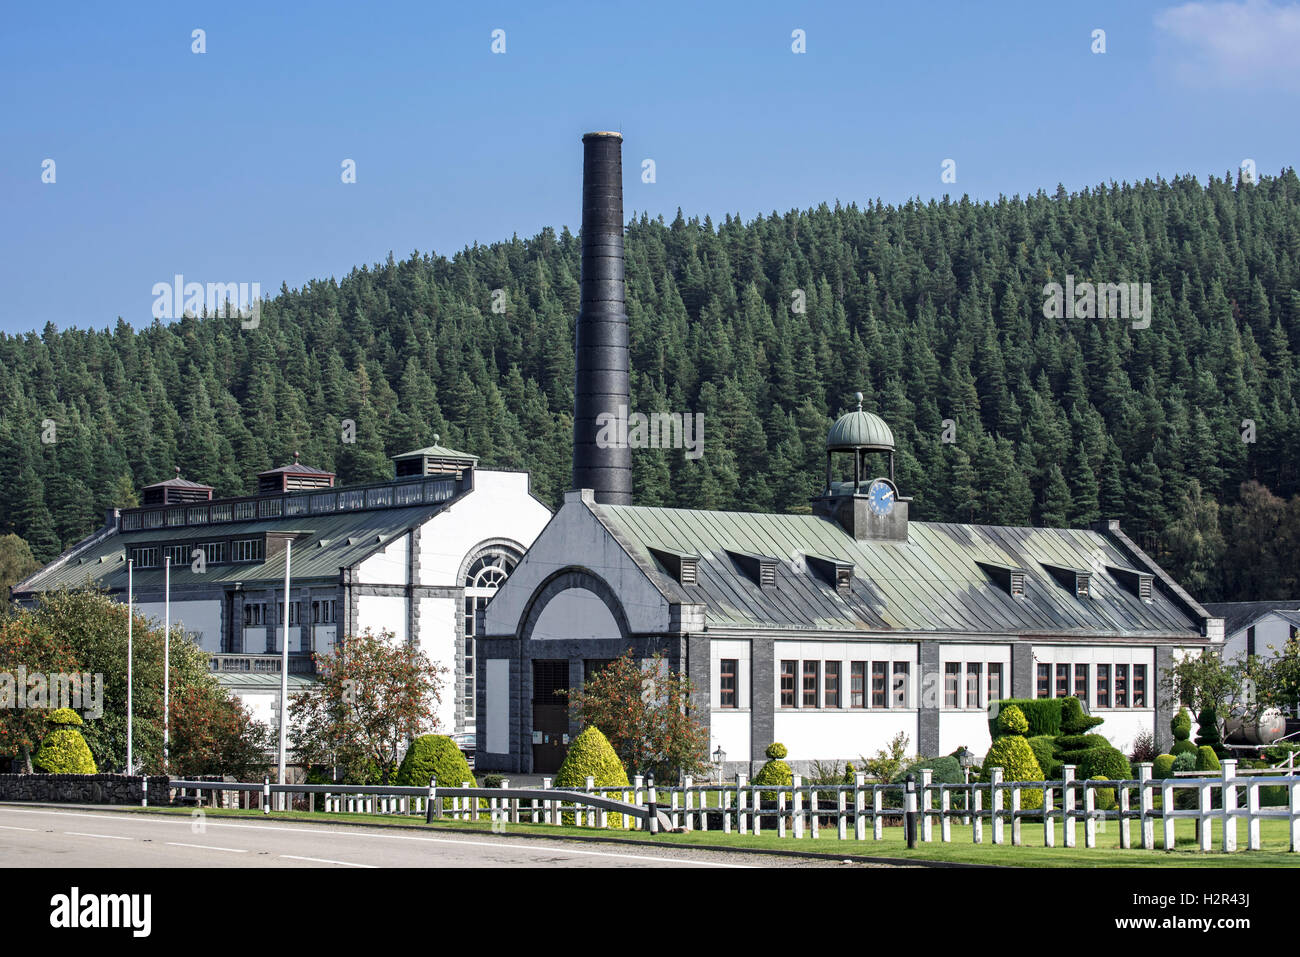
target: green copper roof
<point>859,430</point>
<point>932,583</point>
<point>437,452</point>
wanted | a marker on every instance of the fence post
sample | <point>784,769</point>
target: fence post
<point>1015,815</point>
<point>1229,803</point>
<point>1252,815</point>
<point>1146,795</point>
<point>1125,837</point>
<point>842,815</point>
<point>1293,806</point>
<point>814,804</point>
<point>144,791</point>
<point>1049,822</point>
<point>780,812</point>
<point>587,786</point>
<point>945,824</point>
<point>725,798</point>
<point>798,806</point>
<point>1090,816</point>
<point>473,802</point>
<point>877,817</point>
<point>927,805</point>
<point>689,800</point>
<point>638,782</point>
<point>756,798</point>
<point>672,804</point>
<point>266,794</point>
<point>976,821</point>
<point>1068,802</point>
<point>859,806</point>
<point>552,807</point>
<point>741,823</point>
<point>909,810</point>
<point>1166,806</point>
<point>995,804</point>
<point>432,806</point>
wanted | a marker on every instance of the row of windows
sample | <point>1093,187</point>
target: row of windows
<point>957,695</point>
<point>819,684</point>
<point>322,612</point>
<point>1115,686</point>
<point>214,553</point>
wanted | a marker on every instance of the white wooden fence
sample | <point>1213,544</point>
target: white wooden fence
<point>859,811</point>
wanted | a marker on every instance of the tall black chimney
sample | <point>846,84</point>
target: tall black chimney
<point>601,380</point>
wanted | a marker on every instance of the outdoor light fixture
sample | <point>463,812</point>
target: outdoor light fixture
<point>719,757</point>
<point>965,758</point>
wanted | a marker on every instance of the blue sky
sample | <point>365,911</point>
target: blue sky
<point>225,166</point>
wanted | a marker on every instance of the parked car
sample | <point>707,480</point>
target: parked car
<point>465,740</point>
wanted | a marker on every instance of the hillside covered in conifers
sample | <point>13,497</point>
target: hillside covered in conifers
<point>934,311</point>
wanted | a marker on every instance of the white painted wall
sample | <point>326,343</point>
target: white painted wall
<point>843,736</point>
<point>1122,724</point>
<point>964,729</point>
<point>437,639</point>
<point>497,686</point>
<point>382,613</point>
<point>202,619</point>
<point>1271,630</point>
<point>390,566</point>
<point>262,705</point>
<point>731,728</point>
<point>499,507</point>
<point>575,613</point>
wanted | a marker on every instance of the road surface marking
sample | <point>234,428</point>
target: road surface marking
<point>170,819</point>
<point>4,828</point>
<point>107,837</point>
<point>208,847</point>
<point>323,860</point>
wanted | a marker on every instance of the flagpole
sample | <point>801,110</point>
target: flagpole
<point>130,684</point>
<point>167,658</point>
<point>284,669</point>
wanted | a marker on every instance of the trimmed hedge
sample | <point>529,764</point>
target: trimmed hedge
<point>591,755</point>
<point>1104,798</point>
<point>1182,746</point>
<point>1044,748</point>
<point>1073,720</point>
<point>1185,762</point>
<point>776,772</point>
<point>1012,754</point>
<point>64,750</point>
<point>1043,715</point>
<point>945,770</point>
<point>434,756</point>
<point>1081,742</point>
<point>776,751</point>
<point>1106,762</point>
<point>1162,766</point>
<point>1181,725</point>
<point>1206,759</point>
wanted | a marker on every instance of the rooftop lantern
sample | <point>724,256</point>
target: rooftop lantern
<point>175,491</point>
<point>293,478</point>
<point>866,508</point>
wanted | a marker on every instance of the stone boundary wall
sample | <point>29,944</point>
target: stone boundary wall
<point>83,788</point>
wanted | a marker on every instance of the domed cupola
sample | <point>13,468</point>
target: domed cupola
<point>866,509</point>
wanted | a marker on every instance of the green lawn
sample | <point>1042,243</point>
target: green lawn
<point>962,850</point>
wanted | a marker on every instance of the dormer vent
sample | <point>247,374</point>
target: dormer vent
<point>1139,583</point>
<point>1010,578</point>
<point>1075,579</point>
<point>761,569</point>
<point>683,566</point>
<point>835,572</point>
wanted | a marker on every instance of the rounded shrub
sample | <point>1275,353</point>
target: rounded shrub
<point>1012,721</point>
<point>1105,762</point>
<point>1206,759</point>
<point>1184,762</point>
<point>434,756</point>
<point>946,770</point>
<point>1162,766</point>
<point>591,755</point>
<point>775,771</point>
<point>1104,799</point>
<point>1013,755</point>
<point>1181,725</point>
<point>1182,746</point>
<point>64,750</point>
<point>776,751</point>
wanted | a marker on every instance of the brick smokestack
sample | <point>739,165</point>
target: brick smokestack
<point>601,370</point>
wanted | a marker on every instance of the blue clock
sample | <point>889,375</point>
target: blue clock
<point>880,497</point>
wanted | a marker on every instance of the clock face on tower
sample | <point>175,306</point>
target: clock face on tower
<point>880,497</point>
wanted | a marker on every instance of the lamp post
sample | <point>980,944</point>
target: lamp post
<point>284,671</point>
<point>719,758</point>
<point>130,658</point>
<point>167,658</point>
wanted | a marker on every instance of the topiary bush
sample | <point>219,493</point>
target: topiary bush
<point>1182,747</point>
<point>1105,762</point>
<point>1012,754</point>
<point>591,755</point>
<point>1184,762</point>
<point>64,750</point>
<point>1074,720</point>
<point>1207,734</point>
<point>1044,748</point>
<point>946,770</point>
<point>434,756</point>
<point>1181,725</point>
<point>1163,766</point>
<point>1012,721</point>
<point>1081,742</point>
<point>1104,798</point>
<point>1043,715</point>
<point>775,771</point>
<point>1206,759</point>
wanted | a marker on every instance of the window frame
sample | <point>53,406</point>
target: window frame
<point>832,694</point>
<point>729,683</point>
<point>857,684</point>
<point>788,696</point>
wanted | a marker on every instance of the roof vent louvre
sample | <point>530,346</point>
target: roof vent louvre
<point>1010,578</point>
<point>683,566</point>
<point>834,571</point>
<point>1075,579</point>
<point>761,569</point>
<point>1137,582</point>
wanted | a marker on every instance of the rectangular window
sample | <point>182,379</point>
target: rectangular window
<point>322,612</point>
<point>1044,689</point>
<point>878,669</point>
<point>1103,686</point>
<point>995,681</point>
<point>1062,681</point>
<point>1081,683</point>
<point>902,670</point>
<point>727,686</point>
<point>858,684</point>
<point>787,684</point>
<point>146,557</point>
<point>254,614</point>
<point>1139,686</point>
<point>215,553</point>
<point>811,683</point>
<point>247,549</point>
<point>832,691</point>
<point>294,607</point>
<point>179,554</point>
<point>1121,686</point>
<point>951,679</point>
<point>973,675</point>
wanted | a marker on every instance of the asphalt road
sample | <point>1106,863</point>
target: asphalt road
<point>83,837</point>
